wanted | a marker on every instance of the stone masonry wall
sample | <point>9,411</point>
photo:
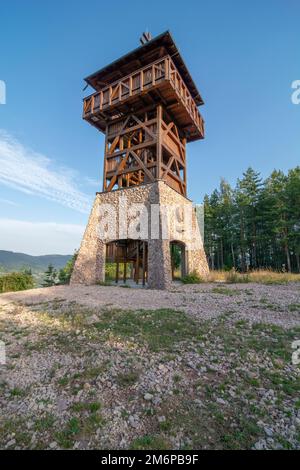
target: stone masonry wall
<point>90,264</point>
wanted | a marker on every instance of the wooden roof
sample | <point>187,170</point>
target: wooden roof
<point>152,50</point>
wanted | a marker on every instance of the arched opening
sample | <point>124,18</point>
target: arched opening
<point>178,261</point>
<point>127,261</point>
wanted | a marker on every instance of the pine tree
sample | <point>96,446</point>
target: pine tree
<point>256,225</point>
<point>65,273</point>
<point>293,214</point>
<point>50,277</point>
<point>248,198</point>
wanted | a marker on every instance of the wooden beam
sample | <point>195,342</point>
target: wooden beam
<point>148,143</point>
<point>117,266</point>
<point>119,168</point>
<point>159,141</point>
<point>104,163</point>
<point>137,158</point>
<point>144,263</point>
<point>137,265</point>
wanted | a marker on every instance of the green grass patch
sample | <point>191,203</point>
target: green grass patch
<point>192,278</point>
<point>225,291</point>
<point>127,379</point>
<point>17,392</point>
<point>294,308</point>
<point>93,407</point>
<point>45,423</point>
<point>150,442</point>
<point>159,329</point>
<point>83,425</point>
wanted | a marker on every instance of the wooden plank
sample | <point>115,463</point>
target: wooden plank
<point>119,168</point>
<point>144,263</point>
<point>127,171</point>
<point>148,143</point>
<point>104,163</point>
<point>127,130</point>
<point>137,158</point>
<point>117,266</point>
<point>159,141</point>
<point>137,268</point>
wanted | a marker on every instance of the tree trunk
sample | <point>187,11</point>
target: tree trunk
<point>232,254</point>
<point>222,254</point>
<point>298,262</point>
<point>288,257</point>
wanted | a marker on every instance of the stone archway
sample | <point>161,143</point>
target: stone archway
<point>127,259</point>
<point>178,259</point>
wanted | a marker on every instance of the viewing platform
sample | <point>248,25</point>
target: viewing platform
<point>157,82</point>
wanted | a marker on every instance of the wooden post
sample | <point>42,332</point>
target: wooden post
<point>159,141</point>
<point>172,260</point>
<point>137,265</point>
<point>104,161</point>
<point>184,170</point>
<point>125,264</point>
<point>144,263</point>
<point>167,69</point>
<point>117,267</point>
<point>141,80</point>
<point>183,263</point>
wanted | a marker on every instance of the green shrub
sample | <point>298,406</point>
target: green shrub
<point>16,281</point>
<point>65,273</point>
<point>104,283</point>
<point>191,278</point>
<point>110,271</point>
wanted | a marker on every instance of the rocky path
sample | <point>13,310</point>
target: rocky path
<point>201,367</point>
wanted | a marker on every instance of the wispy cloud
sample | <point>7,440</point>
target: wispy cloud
<point>39,238</point>
<point>92,182</point>
<point>25,170</point>
<point>7,201</point>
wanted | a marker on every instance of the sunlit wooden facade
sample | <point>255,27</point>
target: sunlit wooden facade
<point>146,103</point>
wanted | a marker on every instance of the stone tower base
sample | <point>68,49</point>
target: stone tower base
<point>152,212</point>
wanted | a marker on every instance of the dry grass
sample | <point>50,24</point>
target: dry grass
<point>261,276</point>
<point>273,277</point>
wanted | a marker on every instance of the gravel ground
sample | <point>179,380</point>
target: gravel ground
<point>200,367</point>
<point>255,302</point>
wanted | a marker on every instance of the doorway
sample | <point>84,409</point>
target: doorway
<point>127,262</point>
<point>178,260</point>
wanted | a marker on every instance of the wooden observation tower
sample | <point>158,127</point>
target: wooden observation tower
<point>146,104</point>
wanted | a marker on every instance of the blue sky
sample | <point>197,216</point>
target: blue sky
<point>242,55</point>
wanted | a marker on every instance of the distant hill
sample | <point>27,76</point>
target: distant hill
<point>10,261</point>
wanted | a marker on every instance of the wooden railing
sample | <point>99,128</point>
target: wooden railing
<point>139,81</point>
<point>184,94</point>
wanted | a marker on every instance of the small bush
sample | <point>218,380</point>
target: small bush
<point>191,278</point>
<point>104,283</point>
<point>16,281</point>
<point>64,275</point>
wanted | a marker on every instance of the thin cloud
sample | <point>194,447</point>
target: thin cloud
<point>92,182</point>
<point>39,238</point>
<point>25,170</point>
<point>7,201</point>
